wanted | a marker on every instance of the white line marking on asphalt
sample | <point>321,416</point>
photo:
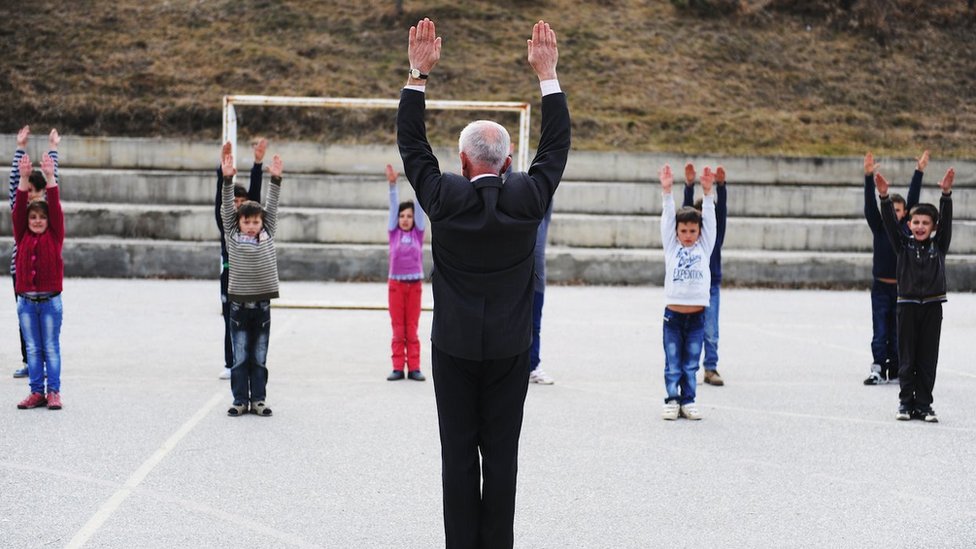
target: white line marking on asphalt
<point>134,480</point>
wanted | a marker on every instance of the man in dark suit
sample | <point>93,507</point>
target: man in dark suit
<point>483,238</point>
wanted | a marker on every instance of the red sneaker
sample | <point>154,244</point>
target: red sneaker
<point>32,401</point>
<point>54,401</point>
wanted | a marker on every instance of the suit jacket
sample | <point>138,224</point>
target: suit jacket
<point>483,235</point>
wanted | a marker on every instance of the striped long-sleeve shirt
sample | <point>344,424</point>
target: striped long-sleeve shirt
<point>253,265</point>
<point>14,181</point>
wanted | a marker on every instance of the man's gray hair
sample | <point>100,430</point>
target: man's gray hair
<point>486,143</point>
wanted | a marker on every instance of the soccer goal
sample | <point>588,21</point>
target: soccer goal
<point>233,101</point>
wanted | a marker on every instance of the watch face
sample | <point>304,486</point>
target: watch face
<point>415,73</point>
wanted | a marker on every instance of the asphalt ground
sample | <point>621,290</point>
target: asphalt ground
<point>793,452</point>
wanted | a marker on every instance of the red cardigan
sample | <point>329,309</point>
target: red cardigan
<point>40,267</point>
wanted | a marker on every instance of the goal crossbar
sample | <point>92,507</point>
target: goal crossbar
<point>230,114</point>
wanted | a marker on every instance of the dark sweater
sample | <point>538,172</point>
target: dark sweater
<point>721,214</point>
<point>885,261</point>
<point>921,264</point>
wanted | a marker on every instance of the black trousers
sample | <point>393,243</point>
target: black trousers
<point>919,328</point>
<point>23,346</point>
<point>225,310</point>
<point>479,408</point>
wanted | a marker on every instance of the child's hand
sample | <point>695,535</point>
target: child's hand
<point>667,179</point>
<point>720,175</point>
<point>870,166</point>
<point>22,136</point>
<point>946,183</point>
<point>690,174</point>
<point>260,147</point>
<point>391,175</point>
<point>227,161</point>
<point>276,167</point>
<point>25,168</point>
<point>47,168</point>
<point>881,184</point>
<point>707,180</point>
<point>923,161</point>
<point>53,140</point>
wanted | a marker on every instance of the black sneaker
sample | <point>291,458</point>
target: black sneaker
<point>904,413</point>
<point>416,375</point>
<point>928,415</point>
<point>875,378</point>
<point>397,375</point>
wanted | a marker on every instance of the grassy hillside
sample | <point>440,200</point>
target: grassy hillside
<point>641,74</point>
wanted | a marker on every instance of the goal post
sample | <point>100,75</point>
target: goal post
<point>232,101</point>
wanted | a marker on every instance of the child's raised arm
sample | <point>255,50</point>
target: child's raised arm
<point>391,178</point>
<point>228,214</point>
<point>944,234</point>
<point>254,189</point>
<point>669,236</point>
<point>894,232</point>
<point>708,235</point>
<point>871,212</point>
<point>53,140</point>
<point>689,198</point>
<point>721,205</point>
<point>55,216</point>
<point>271,208</point>
<point>915,187</point>
<point>21,150</point>
<point>19,214</point>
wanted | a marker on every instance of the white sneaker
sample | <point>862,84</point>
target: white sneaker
<point>670,411</point>
<point>690,411</point>
<point>540,377</point>
<point>224,373</point>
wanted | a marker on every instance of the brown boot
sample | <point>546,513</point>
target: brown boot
<point>713,378</point>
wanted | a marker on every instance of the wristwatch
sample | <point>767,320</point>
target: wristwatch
<point>415,73</point>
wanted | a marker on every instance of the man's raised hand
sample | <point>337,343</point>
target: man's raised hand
<point>881,184</point>
<point>667,179</point>
<point>424,47</point>
<point>707,180</point>
<point>870,166</point>
<point>260,147</point>
<point>946,183</point>
<point>227,167</point>
<point>391,175</point>
<point>53,140</point>
<point>276,167</point>
<point>22,136</point>
<point>923,161</point>
<point>690,174</point>
<point>543,53</point>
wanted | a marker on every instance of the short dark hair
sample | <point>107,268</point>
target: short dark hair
<point>250,209</point>
<point>37,180</point>
<point>698,204</point>
<point>925,209</point>
<point>405,206</point>
<point>38,206</point>
<point>687,214</point>
<point>895,197</point>
<point>240,191</point>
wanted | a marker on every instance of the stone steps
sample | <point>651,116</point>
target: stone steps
<point>137,258</point>
<point>352,226</point>
<point>754,199</point>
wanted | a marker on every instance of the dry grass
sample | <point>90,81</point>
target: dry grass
<point>641,76</point>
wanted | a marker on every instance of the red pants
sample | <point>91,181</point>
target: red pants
<point>405,315</point>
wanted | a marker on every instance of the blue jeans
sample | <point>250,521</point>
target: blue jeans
<point>711,329</point>
<point>884,322</point>
<point>250,330</point>
<point>40,322</point>
<point>537,300</point>
<point>683,336</point>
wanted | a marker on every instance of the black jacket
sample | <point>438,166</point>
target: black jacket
<point>483,235</point>
<point>921,265</point>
